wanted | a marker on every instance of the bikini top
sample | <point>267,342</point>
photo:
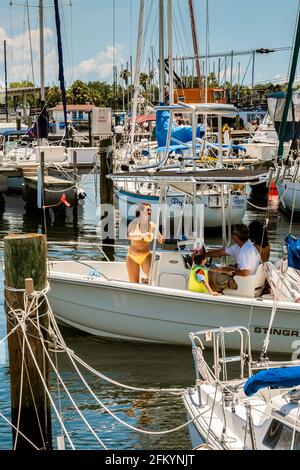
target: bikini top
<point>137,231</point>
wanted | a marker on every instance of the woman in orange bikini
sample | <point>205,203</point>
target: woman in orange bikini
<point>141,233</point>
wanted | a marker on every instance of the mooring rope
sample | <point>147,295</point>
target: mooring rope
<point>20,317</point>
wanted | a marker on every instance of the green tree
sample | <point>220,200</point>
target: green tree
<point>99,93</point>
<point>144,80</point>
<point>78,93</point>
<point>212,80</point>
<point>115,97</point>
<point>22,84</point>
<point>53,96</point>
<point>125,76</point>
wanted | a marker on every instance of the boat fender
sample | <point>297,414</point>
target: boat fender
<point>81,194</point>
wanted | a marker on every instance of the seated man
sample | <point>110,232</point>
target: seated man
<point>246,255</point>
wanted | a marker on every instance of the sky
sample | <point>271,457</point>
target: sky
<point>98,33</point>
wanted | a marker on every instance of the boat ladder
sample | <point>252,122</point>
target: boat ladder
<point>217,338</point>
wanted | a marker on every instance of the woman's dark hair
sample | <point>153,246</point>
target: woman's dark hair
<point>258,233</point>
<point>199,257</point>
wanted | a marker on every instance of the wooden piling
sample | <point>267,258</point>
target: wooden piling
<point>75,205</point>
<point>90,129</point>
<point>106,189</point>
<point>106,167</point>
<point>25,260</point>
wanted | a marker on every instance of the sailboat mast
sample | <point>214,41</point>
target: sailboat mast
<point>42,49</point>
<point>138,63</point>
<point>5,72</point>
<point>170,53</point>
<point>195,43</point>
<point>61,71</point>
<point>289,94</point>
<point>207,53</point>
<point>161,52</point>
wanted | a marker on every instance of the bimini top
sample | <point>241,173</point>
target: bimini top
<point>284,377</point>
<point>223,176</point>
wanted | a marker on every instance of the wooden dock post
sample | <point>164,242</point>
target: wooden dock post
<point>75,205</point>
<point>106,189</point>
<point>25,258</point>
<point>106,167</point>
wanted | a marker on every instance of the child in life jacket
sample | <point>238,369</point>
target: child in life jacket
<point>198,281</point>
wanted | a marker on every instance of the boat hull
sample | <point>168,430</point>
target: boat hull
<point>134,312</point>
<point>52,194</point>
<point>289,196</point>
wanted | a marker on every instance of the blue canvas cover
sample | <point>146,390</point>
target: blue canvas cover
<point>174,148</point>
<point>7,132</point>
<point>284,377</point>
<point>182,133</point>
<point>293,247</point>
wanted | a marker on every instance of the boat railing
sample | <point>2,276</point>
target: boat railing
<point>216,336</point>
<point>102,246</point>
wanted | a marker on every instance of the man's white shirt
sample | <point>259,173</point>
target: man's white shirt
<point>247,256</point>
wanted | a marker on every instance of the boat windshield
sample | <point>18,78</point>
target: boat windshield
<point>280,437</point>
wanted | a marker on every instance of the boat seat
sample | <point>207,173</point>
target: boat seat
<point>187,246</point>
<point>169,270</point>
<point>250,286</point>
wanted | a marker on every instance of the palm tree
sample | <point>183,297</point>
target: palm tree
<point>125,75</point>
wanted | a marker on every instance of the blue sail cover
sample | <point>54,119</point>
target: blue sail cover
<point>293,247</point>
<point>285,377</point>
<point>183,133</point>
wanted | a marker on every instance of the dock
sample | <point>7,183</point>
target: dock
<point>23,178</point>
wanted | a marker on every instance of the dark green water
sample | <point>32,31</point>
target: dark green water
<point>132,364</point>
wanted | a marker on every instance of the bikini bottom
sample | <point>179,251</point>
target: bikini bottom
<point>139,258</point>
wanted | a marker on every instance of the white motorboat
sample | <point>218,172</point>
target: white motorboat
<point>263,145</point>
<point>254,406</point>
<point>96,297</point>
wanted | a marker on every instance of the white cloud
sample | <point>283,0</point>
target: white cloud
<point>101,66</point>
<point>19,59</point>
<point>19,56</point>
